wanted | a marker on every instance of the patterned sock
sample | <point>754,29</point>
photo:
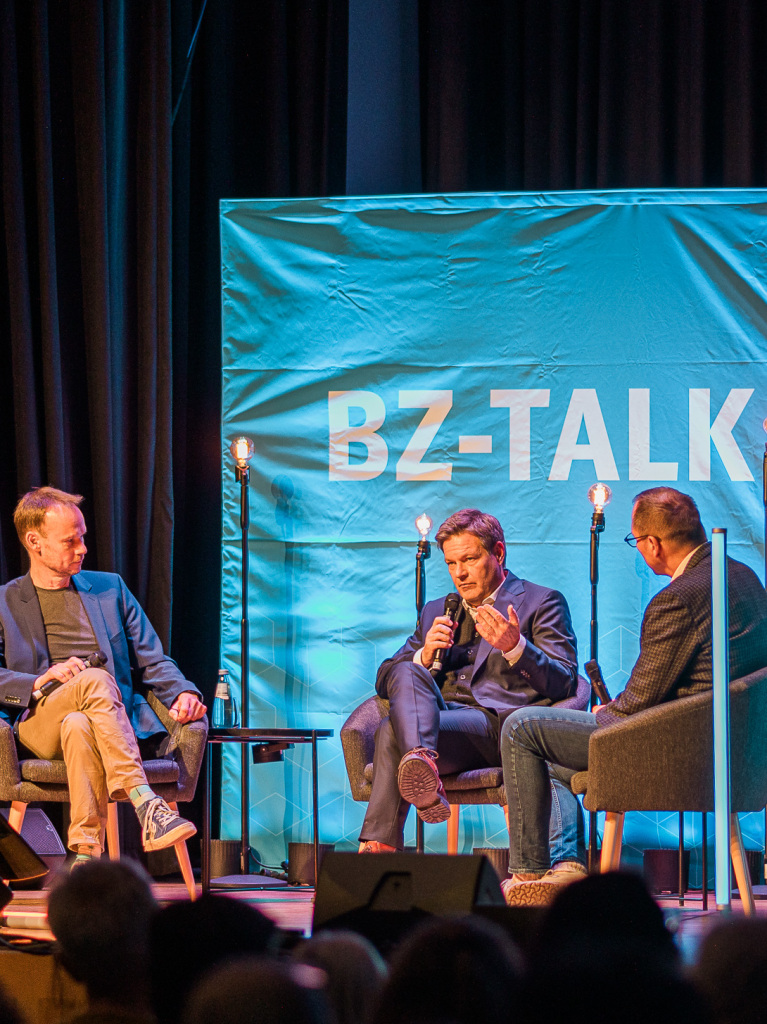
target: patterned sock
<point>140,795</point>
<point>86,852</point>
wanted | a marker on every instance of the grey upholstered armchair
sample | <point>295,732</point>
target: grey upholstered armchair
<point>479,786</point>
<point>661,759</point>
<point>172,776</point>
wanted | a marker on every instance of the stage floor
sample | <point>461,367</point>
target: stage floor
<point>292,907</point>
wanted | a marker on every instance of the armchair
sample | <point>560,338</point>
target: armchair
<point>478,786</point>
<point>173,776</point>
<point>662,759</point>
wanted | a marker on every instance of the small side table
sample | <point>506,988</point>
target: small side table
<point>281,738</point>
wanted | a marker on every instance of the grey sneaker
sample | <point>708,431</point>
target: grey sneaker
<point>160,826</point>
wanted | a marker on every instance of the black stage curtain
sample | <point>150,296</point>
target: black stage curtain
<point>263,115</point>
<point>109,216</point>
<point>97,394</point>
<point>522,95</point>
<point>85,381</point>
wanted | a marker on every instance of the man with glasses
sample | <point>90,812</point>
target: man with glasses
<point>674,661</point>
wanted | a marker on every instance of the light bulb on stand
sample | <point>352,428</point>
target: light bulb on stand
<point>423,551</point>
<point>423,525</point>
<point>242,449</point>
<point>599,496</point>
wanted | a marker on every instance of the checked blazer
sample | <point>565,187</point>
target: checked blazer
<point>675,644</point>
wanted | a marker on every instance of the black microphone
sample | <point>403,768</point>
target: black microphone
<point>452,604</point>
<point>594,673</point>
<point>95,660</point>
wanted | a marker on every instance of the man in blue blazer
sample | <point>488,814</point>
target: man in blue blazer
<point>674,661</point>
<point>51,621</point>
<point>508,644</point>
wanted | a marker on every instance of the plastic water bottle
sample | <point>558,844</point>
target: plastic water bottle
<point>224,705</point>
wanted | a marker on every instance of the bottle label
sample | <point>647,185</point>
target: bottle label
<point>222,691</point>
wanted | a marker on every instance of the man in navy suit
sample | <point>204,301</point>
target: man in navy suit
<point>674,661</point>
<point>509,645</point>
<point>51,620</point>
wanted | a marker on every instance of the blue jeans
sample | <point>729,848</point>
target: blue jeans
<point>538,744</point>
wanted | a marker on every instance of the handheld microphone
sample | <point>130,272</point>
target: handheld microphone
<point>594,673</point>
<point>452,604</point>
<point>94,660</point>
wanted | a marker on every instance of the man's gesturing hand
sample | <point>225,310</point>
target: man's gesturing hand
<point>502,633</point>
<point>440,636</point>
<point>62,672</point>
<point>187,708</point>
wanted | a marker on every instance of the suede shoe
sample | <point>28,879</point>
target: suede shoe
<point>419,783</point>
<point>160,826</point>
<point>539,892</point>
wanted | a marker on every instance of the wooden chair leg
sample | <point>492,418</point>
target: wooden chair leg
<point>612,840</point>
<point>452,828</point>
<point>740,867</point>
<point>113,832</point>
<point>506,815</point>
<point>184,863</point>
<point>16,815</point>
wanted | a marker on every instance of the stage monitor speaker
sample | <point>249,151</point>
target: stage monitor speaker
<point>356,890</point>
<point>27,858</point>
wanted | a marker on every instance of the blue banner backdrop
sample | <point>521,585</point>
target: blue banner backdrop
<point>399,354</point>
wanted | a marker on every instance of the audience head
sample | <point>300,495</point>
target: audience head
<point>612,954</point>
<point>355,972</point>
<point>100,914</point>
<point>259,990</point>
<point>460,970</point>
<point>9,1011</point>
<point>731,971</point>
<point>190,938</point>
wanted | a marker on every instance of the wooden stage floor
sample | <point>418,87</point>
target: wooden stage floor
<point>292,907</point>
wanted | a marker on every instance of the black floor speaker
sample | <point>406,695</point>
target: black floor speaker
<point>383,895</point>
<point>26,859</point>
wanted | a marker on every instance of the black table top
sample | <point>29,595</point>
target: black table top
<point>267,735</point>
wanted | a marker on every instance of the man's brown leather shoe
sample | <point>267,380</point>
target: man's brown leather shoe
<point>374,847</point>
<point>419,783</point>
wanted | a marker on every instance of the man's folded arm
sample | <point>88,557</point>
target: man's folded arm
<point>668,642</point>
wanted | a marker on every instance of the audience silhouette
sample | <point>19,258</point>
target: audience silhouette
<point>100,914</point>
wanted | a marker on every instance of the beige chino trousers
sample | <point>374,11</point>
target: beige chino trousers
<point>84,723</point>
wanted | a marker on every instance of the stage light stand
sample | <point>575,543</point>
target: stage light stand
<point>242,449</point>
<point>764,504</point>
<point>423,551</point>
<point>599,495</point>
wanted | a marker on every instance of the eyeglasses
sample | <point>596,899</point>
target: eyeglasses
<point>632,541</point>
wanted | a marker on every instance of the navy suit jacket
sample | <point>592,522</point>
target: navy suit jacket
<point>123,632</point>
<point>547,671</point>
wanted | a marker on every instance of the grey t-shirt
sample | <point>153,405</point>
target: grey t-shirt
<point>67,627</point>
